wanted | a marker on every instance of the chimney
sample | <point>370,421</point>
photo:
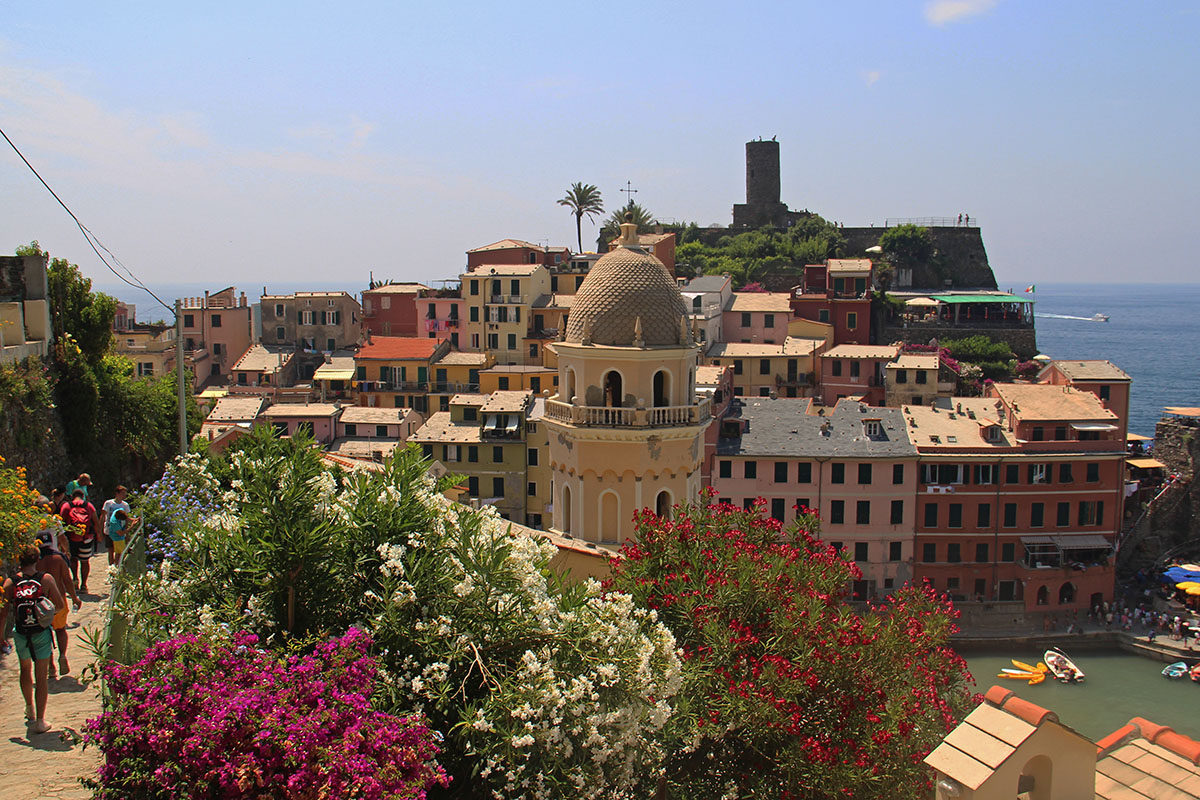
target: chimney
<point>206,298</point>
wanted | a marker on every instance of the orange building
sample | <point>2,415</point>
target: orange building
<point>1104,379</point>
<point>394,371</point>
<point>1019,496</point>
<point>515,251</point>
<point>838,293</point>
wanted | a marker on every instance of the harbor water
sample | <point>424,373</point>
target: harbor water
<point>1119,686</point>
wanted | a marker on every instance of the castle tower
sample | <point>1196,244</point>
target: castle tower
<point>762,174</point>
<point>626,429</point>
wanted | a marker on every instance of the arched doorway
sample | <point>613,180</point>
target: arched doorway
<point>613,396</point>
<point>662,388</point>
<point>1066,595</point>
<point>566,509</point>
<point>610,517</point>
<point>662,504</point>
<point>1043,596</point>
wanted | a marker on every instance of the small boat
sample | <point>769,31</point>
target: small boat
<point>1100,318</point>
<point>1062,667</point>
<point>1194,674</point>
<point>1176,670</point>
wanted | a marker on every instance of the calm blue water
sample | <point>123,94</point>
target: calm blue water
<point>1153,334</point>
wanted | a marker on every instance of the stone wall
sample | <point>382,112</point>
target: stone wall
<point>961,258</point>
<point>1171,522</point>
<point>1023,341</point>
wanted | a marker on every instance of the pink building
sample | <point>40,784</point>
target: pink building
<point>1104,379</point>
<point>441,314</point>
<point>216,331</point>
<point>855,371</point>
<point>319,419</point>
<point>757,317</point>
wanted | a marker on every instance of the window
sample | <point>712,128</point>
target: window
<point>777,508</point>
<point>851,320</point>
<point>498,487</point>
<point>954,553</point>
<point>1010,515</point>
<point>837,472</point>
<point>837,512</point>
<point>929,552</point>
<point>1093,473</point>
<point>473,454</point>
<point>1039,473</point>
<point>981,552</point>
<point>895,550</point>
<point>983,515</point>
<point>955,520</point>
<point>835,367</point>
<point>470,414</point>
<point>512,341</point>
<point>473,487</point>
<point>493,341</point>
<point>951,583</point>
<point>768,320</point>
<point>514,287</point>
<point>985,474</point>
<point>804,472</point>
<point>922,376</point>
<point>897,474</point>
<point>860,551</point>
<point>1091,512</point>
<point>217,348</point>
<point>1060,433</point>
<point>1008,552</point>
<point>280,333</point>
<point>725,469</point>
<point>864,474</point>
<point>1039,433</point>
<point>1063,517</point>
<point>450,452</point>
<point>308,318</point>
<point>872,428</point>
<point>737,366</point>
<point>747,503</point>
<point>823,315</point>
<point>1105,393</point>
<point>474,314</point>
<point>764,366</point>
<point>351,429</point>
<point>1012,473</point>
<point>862,512</point>
<point>1064,473</point>
<point>803,504</point>
<point>781,472</point>
<point>381,431</point>
<point>497,454</point>
<point>502,382</point>
<point>854,369</point>
<point>897,512</point>
<point>189,321</point>
<point>901,376</point>
<point>532,457</point>
<point>427,450</point>
<point>750,469</point>
<point>941,474</point>
<point>1037,515</point>
<point>931,514</point>
<point>531,490</point>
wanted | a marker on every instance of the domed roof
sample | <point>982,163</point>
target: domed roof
<point>623,286</point>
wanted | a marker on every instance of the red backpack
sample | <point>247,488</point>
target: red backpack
<point>77,516</point>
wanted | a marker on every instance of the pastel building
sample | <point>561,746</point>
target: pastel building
<point>626,428</point>
<point>758,317</point>
<point>515,251</point>
<point>916,379</point>
<point>373,434</point>
<point>855,371</point>
<point>853,464</point>
<point>391,309</point>
<point>216,332</point>
<point>760,370</point>
<point>319,420</point>
<point>1106,380</point>
<point>837,293</point>
<point>395,370</point>
<point>706,297</point>
<point>499,299</point>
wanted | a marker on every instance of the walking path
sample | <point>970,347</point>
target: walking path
<point>49,765</point>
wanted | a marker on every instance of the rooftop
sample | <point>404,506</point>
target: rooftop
<point>354,447</point>
<point>457,358</point>
<point>956,423</point>
<point>509,244</point>
<point>783,427</point>
<point>916,361</point>
<point>517,369</point>
<point>553,301</point>
<point>506,402</point>
<point>340,366</point>
<point>1091,370</point>
<point>236,409</point>
<point>777,302</point>
<point>506,269</point>
<point>313,295</point>
<point>397,348</point>
<point>1042,401</point>
<point>792,346</point>
<point>881,351</point>
<point>439,428</point>
<point>1143,760</point>
<point>849,265</point>
<point>709,376</point>
<point>398,288</point>
<point>702,284</point>
<point>305,410</point>
<point>261,358</point>
<point>469,399</point>
<point>372,415</point>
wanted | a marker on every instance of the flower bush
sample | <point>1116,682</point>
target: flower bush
<point>788,690</point>
<point>541,688</point>
<point>202,717</point>
<point>20,516</point>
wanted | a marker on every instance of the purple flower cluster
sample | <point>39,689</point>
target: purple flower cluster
<point>203,719</point>
<point>170,504</point>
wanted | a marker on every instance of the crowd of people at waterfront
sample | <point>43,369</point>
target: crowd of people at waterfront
<point>54,569</point>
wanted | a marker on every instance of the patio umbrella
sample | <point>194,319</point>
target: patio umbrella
<point>922,301</point>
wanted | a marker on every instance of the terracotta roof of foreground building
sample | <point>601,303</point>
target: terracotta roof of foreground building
<point>624,285</point>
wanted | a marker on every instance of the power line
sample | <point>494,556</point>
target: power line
<point>90,237</point>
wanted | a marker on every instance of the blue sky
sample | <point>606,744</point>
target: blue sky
<point>303,142</point>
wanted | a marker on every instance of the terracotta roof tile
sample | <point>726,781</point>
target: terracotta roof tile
<point>385,348</point>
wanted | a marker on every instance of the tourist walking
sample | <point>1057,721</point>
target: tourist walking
<point>116,529</point>
<point>51,532</point>
<point>25,595</point>
<point>84,482</point>
<point>79,518</point>
<point>117,503</point>
<point>54,564</point>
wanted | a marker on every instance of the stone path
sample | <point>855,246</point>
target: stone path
<point>49,765</point>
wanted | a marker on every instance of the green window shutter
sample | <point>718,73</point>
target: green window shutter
<point>362,373</point>
<point>422,374</point>
<point>383,373</point>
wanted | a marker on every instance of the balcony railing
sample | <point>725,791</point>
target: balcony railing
<point>605,416</point>
<point>445,387</point>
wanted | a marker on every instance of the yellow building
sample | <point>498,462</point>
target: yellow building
<point>498,300</point>
<point>513,377</point>
<point>454,372</point>
<point>626,429</point>
<point>151,347</point>
<point>394,370</point>
<point>788,369</point>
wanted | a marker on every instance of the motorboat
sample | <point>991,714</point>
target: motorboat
<point>1062,667</point>
<point>1176,670</point>
<point>1100,317</point>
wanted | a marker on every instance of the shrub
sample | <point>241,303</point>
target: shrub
<point>202,717</point>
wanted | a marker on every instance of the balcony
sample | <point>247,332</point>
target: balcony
<point>606,417</point>
<point>453,388</point>
<point>391,386</point>
<point>507,299</point>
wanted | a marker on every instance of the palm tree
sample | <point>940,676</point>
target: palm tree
<point>641,217</point>
<point>583,198</point>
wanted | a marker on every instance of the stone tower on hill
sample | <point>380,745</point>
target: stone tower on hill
<point>626,429</point>
<point>762,206</point>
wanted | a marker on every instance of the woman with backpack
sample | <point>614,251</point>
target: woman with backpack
<point>35,599</point>
<point>83,527</point>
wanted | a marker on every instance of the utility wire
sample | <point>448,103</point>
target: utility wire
<point>88,235</point>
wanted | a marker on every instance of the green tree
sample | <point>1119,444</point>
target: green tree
<point>790,691</point>
<point>907,245</point>
<point>584,200</point>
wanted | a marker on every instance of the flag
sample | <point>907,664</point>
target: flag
<point>1030,288</point>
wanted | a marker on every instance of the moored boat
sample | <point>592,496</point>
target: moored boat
<point>1195,673</point>
<point>1176,670</point>
<point>1062,667</point>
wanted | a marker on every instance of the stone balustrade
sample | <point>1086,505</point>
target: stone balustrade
<point>605,416</point>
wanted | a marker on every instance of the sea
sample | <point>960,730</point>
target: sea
<point>1153,332</point>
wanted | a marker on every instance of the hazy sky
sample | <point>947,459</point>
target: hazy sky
<point>305,142</point>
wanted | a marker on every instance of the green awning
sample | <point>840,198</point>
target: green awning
<point>952,299</point>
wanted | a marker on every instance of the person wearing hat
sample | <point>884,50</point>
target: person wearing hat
<point>51,533</point>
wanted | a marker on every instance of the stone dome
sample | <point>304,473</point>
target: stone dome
<point>624,285</point>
